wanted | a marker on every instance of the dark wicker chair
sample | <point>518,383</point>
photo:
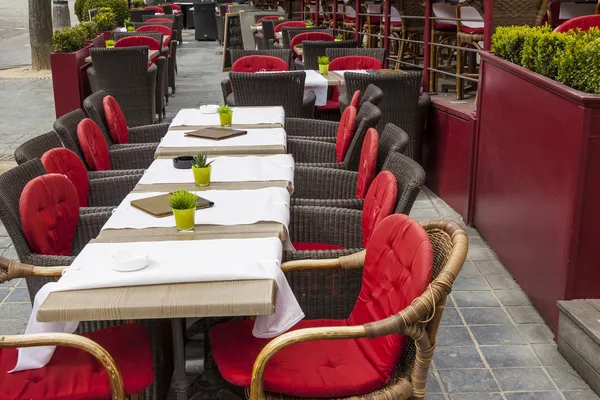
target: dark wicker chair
<point>399,104</point>
<point>322,154</point>
<point>372,94</point>
<point>284,54</point>
<point>138,24</point>
<point>141,134</point>
<point>138,15</point>
<point>268,32</point>
<point>313,49</point>
<point>334,53</point>
<point>177,24</point>
<point>12,183</point>
<point>288,33</point>
<point>122,156</point>
<point>277,89</point>
<point>124,74</point>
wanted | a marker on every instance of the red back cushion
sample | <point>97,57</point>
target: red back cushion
<point>117,126</point>
<point>354,62</point>
<point>64,161</point>
<point>367,164</point>
<point>355,102</point>
<point>397,270</point>
<point>93,145</point>
<point>584,23</point>
<point>292,24</point>
<point>259,63</point>
<point>175,7</point>
<point>49,211</point>
<point>130,41</point>
<point>268,17</point>
<point>155,28</point>
<point>345,133</point>
<point>155,8</point>
<point>379,203</point>
<point>301,37</point>
<point>159,20</point>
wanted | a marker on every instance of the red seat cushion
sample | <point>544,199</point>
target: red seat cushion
<point>354,62</point>
<point>440,26</point>
<point>49,211</point>
<point>175,7</point>
<point>259,63</point>
<point>584,23</point>
<point>379,203</point>
<point>345,133</point>
<point>131,41</point>
<point>93,145</point>
<point>299,246</point>
<point>467,29</point>
<point>367,163</point>
<point>396,23</point>
<point>317,36</point>
<point>355,102</point>
<point>158,28</point>
<point>117,125</point>
<point>332,105</point>
<point>64,161</point>
<point>397,270</point>
<point>73,374</point>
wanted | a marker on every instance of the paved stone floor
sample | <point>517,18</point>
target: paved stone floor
<point>492,343</point>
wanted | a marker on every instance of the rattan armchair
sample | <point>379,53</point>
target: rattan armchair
<point>122,156</point>
<point>372,94</point>
<point>313,49</point>
<point>140,134</point>
<point>276,89</point>
<point>177,24</point>
<point>288,33</point>
<point>124,74</point>
<point>334,53</point>
<point>268,33</point>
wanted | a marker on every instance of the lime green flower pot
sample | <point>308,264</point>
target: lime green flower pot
<point>201,175</point>
<point>184,219</point>
<point>225,119</point>
<point>324,69</point>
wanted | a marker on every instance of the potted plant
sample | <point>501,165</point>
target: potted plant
<point>68,65</point>
<point>201,169</point>
<point>281,18</point>
<point>138,4</point>
<point>310,24</point>
<point>119,8</point>
<point>183,204</point>
<point>323,62</point>
<point>89,29</point>
<point>130,28</point>
<point>110,44</point>
<point>105,20</point>
<point>338,38</point>
<point>225,116</point>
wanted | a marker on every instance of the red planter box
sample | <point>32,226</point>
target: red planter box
<point>98,41</point>
<point>537,191</point>
<point>69,80</point>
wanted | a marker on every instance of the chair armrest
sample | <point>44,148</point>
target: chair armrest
<point>308,105</point>
<point>111,173</point>
<point>226,89</point>
<point>95,210</point>
<point>343,101</point>
<point>323,259</point>
<point>309,151</point>
<point>134,157</point>
<point>111,191</point>
<point>324,183</point>
<point>148,133</point>
<point>353,204</point>
<point>12,269</point>
<point>41,260</point>
<point>337,226</point>
<point>311,128</point>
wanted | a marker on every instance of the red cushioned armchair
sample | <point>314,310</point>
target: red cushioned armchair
<point>381,348</point>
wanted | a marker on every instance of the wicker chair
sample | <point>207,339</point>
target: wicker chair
<point>316,284</point>
<point>268,33</point>
<point>138,15</point>
<point>323,154</point>
<point>177,22</point>
<point>288,33</point>
<point>372,94</point>
<point>94,108</point>
<point>124,74</point>
<point>136,25</point>
<point>334,53</point>
<point>284,54</point>
<point>400,102</point>
<point>312,50</point>
<point>171,50</point>
<point>278,89</point>
<point>122,156</point>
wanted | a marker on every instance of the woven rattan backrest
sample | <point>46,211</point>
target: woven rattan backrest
<point>411,8</point>
<point>313,49</point>
<point>274,89</point>
<point>66,128</point>
<point>288,33</point>
<point>124,61</point>
<point>410,177</point>
<point>284,54</point>
<point>94,108</point>
<point>334,53</point>
<point>120,35</point>
<point>392,139</point>
<point>37,146</point>
<point>519,12</point>
<point>368,116</point>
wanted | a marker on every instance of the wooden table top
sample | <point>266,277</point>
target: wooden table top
<point>335,78</point>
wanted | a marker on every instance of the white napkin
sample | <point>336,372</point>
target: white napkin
<point>318,84</point>
<point>171,262</point>
<point>278,167</point>
<point>241,116</point>
<point>254,137</point>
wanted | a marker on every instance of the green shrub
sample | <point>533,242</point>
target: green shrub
<point>529,50</point>
<point>550,50</point>
<point>68,40</point>
<point>89,29</point>
<point>105,21</point>
<point>78,8</point>
<point>118,7</point>
<point>138,3</point>
<point>508,41</point>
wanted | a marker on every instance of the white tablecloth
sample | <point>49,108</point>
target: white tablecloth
<point>171,262</point>
<point>318,84</point>
<point>278,167</point>
<point>241,116</point>
<point>254,137</point>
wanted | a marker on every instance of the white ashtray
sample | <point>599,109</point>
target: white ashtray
<point>129,260</point>
<point>209,109</point>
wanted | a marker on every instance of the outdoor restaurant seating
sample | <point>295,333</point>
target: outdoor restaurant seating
<point>294,371</point>
<point>372,94</point>
<point>301,37</point>
<point>125,75</point>
<point>267,34</point>
<point>177,21</point>
<point>168,44</point>
<point>277,28</point>
<point>115,128</point>
<point>313,49</point>
<point>138,15</point>
<point>156,9</point>
<point>278,89</point>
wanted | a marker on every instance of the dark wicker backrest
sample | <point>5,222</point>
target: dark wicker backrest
<point>94,108</point>
<point>37,146</point>
<point>120,35</point>
<point>519,12</point>
<point>392,139</point>
<point>399,104</point>
<point>313,49</point>
<point>66,128</point>
<point>288,33</point>
<point>138,15</point>
<point>410,177</point>
<point>368,116</point>
<point>120,61</point>
<point>275,89</point>
<point>284,54</point>
<point>372,94</point>
<point>334,53</point>
<point>269,28</point>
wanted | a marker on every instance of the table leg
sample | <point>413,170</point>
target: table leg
<point>179,384</point>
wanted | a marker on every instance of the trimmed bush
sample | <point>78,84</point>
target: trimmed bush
<point>68,40</point>
<point>105,21</point>
<point>89,29</point>
<point>118,7</point>
<point>138,3</point>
